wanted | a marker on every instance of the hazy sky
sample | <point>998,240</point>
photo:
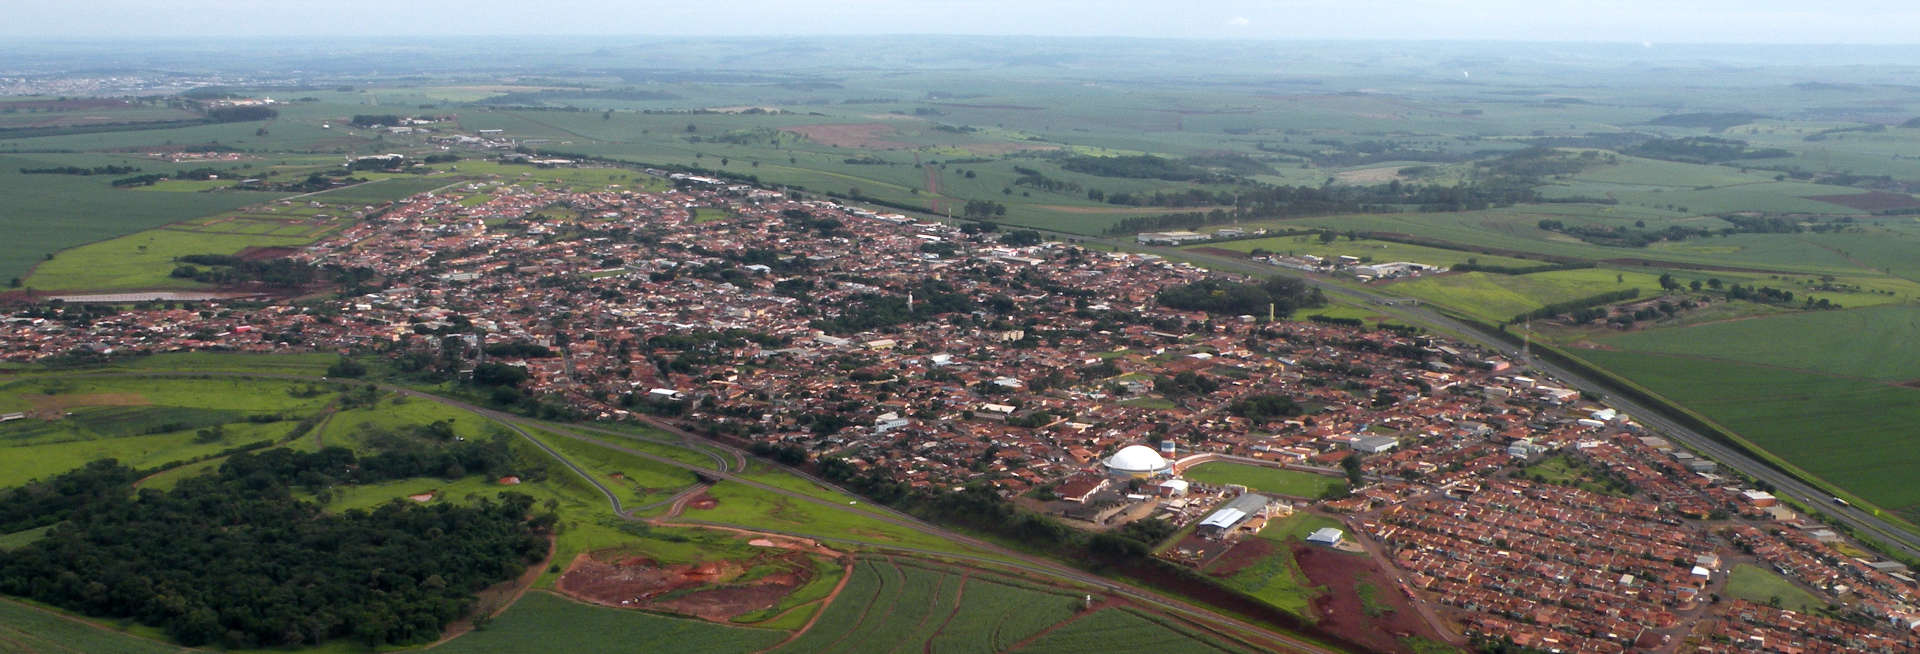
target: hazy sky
<point>1658,21</point>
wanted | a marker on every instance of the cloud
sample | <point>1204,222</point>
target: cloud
<point>1238,21</point>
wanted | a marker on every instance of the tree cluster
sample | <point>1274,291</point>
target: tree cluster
<point>1220,296</point>
<point>234,559</point>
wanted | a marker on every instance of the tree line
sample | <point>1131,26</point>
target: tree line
<point>78,170</point>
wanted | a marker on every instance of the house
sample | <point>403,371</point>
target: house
<point>1327,536</point>
<point>1080,487</point>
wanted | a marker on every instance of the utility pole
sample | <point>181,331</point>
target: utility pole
<point>1526,345</point>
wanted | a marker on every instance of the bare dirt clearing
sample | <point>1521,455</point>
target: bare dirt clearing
<point>713,590</point>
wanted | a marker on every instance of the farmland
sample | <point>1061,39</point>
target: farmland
<point>1100,631</point>
<point>1848,431</point>
<point>26,629</point>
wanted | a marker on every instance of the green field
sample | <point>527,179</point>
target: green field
<point>1498,298</point>
<point>1850,432</point>
<point>46,214</point>
<point>889,606</point>
<point>1261,478</point>
<point>25,629</point>
<point>144,423</point>
<point>754,508</point>
<point>1104,630</point>
<point>1879,343</point>
<point>1762,586</point>
<point>143,260</point>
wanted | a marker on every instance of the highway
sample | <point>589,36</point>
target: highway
<point>1784,484</point>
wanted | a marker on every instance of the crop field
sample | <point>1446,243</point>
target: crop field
<point>1850,432</point>
<point>45,214</point>
<point>541,619</point>
<point>1260,478</point>
<point>25,629</point>
<point>1102,630</point>
<point>1880,343</point>
<point>144,260</point>
<point>891,606</point>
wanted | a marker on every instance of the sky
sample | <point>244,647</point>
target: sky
<point>1628,21</point>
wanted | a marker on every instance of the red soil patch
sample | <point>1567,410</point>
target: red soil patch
<point>1244,553</point>
<point>856,135</point>
<point>704,590</point>
<point>1911,383</point>
<point>1340,609</point>
<point>1870,201</point>
<point>702,502</point>
<point>257,253</point>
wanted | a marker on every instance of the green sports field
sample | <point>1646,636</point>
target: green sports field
<point>1260,478</point>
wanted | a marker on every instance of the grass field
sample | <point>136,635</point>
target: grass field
<point>1760,585</point>
<point>541,620</point>
<point>645,479</point>
<point>143,260</point>
<point>753,508</point>
<point>1850,432</point>
<point>142,422</point>
<point>25,629</point>
<point>1498,298</point>
<point>1260,478</point>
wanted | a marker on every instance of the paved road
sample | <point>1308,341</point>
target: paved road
<point>1784,484</point>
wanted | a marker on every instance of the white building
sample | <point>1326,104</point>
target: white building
<point>1137,461</point>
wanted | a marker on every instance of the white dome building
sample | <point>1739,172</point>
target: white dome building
<point>1138,461</point>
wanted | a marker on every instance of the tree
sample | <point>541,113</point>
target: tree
<point>1668,282</point>
<point>346,367</point>
<point>1351,464</point>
